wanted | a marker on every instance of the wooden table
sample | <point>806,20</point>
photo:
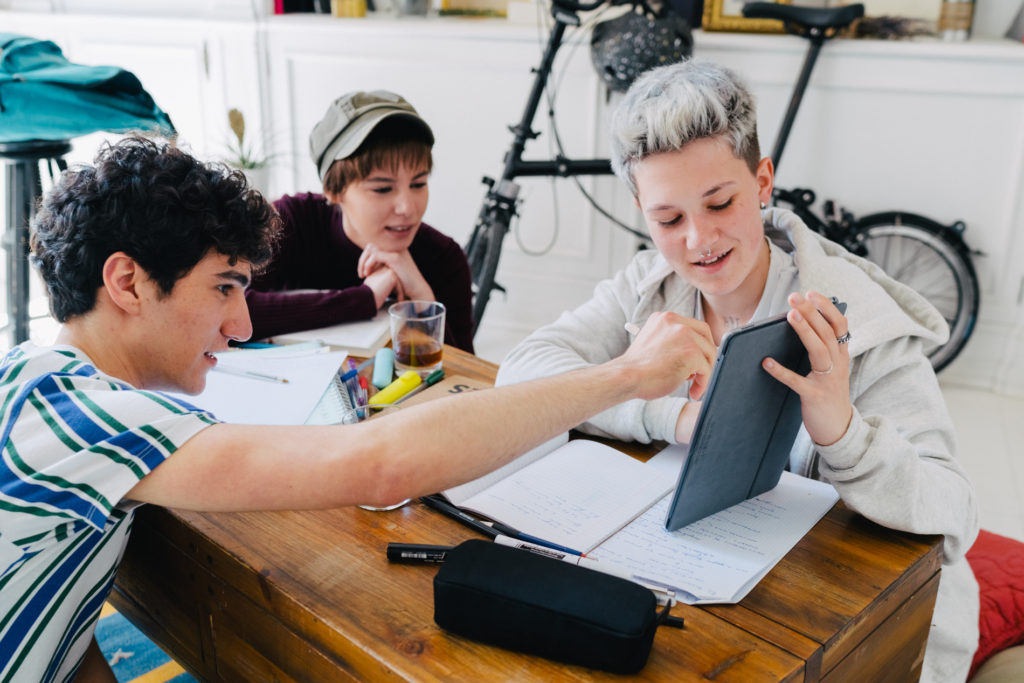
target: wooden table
<point>309,596</point>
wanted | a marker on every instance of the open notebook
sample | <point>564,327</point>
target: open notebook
<point>593,498</point>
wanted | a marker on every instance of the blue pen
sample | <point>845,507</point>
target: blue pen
<point>256,345</point>
<point>519,535</point>
<point>355,369</point>
<point>351,384</point>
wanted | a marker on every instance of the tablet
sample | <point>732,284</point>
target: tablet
<point>746,426</point>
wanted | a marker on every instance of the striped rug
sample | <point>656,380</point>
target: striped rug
<point>133,657</point>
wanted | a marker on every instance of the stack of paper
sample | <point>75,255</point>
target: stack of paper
<point>361,338</point>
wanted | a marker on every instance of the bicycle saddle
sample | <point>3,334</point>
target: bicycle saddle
<point>806,18</point>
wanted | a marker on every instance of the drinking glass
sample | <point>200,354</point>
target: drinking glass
<point>417,336</point>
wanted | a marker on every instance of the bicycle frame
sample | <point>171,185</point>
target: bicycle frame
<point>499,205</point>
<point>515,166</point>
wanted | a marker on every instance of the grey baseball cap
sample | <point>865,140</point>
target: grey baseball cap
<point>351,118</point>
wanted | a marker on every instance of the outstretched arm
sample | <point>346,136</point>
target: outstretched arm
<point>425,448</point>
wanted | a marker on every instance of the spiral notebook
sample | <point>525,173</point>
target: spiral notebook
<point>334,403</point>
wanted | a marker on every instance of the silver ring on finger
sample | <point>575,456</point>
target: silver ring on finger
<point>845,339</point>
<point>831,366</point>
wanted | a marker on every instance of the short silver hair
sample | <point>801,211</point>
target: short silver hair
<point>670,106</point>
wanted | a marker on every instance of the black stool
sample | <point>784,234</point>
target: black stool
<point>22,187</point>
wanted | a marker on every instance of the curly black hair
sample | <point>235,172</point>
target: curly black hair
<point>156,203</point>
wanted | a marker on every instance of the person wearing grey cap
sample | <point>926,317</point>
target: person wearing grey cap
<point>344,252</point>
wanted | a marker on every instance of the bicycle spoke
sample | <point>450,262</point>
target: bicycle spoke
<point>911,250</point>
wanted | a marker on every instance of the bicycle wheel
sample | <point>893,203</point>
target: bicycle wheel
<point>932,259</point>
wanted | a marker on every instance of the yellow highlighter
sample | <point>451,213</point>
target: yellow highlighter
<point>405,383</point>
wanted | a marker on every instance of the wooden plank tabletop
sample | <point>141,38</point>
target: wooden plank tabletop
<point>310,595</point>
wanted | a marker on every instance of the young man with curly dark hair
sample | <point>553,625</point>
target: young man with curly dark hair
<point>146,256</point>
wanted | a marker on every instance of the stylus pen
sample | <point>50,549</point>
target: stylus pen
<point>414,553</point>
<point>449,510</point>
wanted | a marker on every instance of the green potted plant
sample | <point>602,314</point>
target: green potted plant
<point>245,156</point>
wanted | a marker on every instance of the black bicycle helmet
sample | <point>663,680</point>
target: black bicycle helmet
<point>624,47</point>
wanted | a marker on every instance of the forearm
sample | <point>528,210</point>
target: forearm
<point>468,435</point>
<point>422,449</point>
<point>574,342</point>
<point>904,485</point>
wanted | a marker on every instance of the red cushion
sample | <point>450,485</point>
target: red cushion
<point>998,564</point>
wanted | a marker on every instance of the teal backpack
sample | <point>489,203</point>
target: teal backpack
<point>43,96</point>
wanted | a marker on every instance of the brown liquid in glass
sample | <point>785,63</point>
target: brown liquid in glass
<point>418,355</point>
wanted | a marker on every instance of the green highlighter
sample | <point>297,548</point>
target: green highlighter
<point>433,378</point>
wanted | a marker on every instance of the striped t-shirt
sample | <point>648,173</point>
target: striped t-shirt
<point>73,442</point>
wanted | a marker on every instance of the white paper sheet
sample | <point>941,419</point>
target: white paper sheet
<point>309,369</point>
<point>458,495</point>
<point>721,557</point>
<point>576,496</point>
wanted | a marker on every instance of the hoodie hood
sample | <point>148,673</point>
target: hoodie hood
<point>879,308</point>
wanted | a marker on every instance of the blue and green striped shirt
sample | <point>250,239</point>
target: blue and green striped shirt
<point>73,441</point>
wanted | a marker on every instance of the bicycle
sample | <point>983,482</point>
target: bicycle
<point>922,253</point>
<point>929,257</point>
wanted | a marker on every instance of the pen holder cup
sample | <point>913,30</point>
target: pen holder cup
<point>372,412</point>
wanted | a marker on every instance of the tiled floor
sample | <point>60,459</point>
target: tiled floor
<point>990,432</point>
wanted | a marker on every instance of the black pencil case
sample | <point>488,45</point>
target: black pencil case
<point>529,603</point>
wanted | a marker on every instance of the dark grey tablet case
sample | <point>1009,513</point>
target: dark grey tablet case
<point>747,424</point>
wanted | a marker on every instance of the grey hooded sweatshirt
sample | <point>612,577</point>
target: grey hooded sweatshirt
<point>895,463</point>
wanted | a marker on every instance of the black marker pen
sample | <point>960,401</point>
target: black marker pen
<point>414,553</point>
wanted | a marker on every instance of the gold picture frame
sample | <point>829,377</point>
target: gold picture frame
<point>727,15</point>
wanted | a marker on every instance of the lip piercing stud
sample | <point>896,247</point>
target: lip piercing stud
<point>707,254</point>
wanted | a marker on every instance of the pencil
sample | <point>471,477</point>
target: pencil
<point>249,373</point>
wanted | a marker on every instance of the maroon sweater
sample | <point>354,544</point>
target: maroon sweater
<point>314,254</point>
